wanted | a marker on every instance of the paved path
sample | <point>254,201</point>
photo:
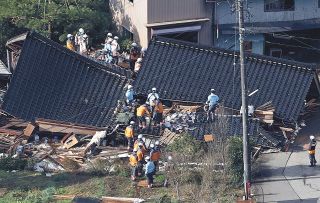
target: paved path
<point>286,176</point>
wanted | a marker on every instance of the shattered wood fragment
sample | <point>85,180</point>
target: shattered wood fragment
<point>66,137</point>
<point>120,200</point>
<point>208,138</point>
<point>29,130</point>
<point>71,141</point>
<point>64,197</point>
<point>10,132</point>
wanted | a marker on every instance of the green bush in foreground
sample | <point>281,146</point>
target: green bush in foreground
<point>9,164</point>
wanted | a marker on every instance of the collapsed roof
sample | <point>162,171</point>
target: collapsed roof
<point>53,82</point>
<point>186,72</point>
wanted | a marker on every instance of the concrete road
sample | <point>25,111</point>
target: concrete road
<point>286,176</point>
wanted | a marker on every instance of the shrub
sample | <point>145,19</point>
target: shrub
<point>9,164</point>
<point>187,145</point>
<point>100,167</point>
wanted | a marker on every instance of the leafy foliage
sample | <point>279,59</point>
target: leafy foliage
<point>55,18</point>
<point>186,145</point>
<point>9,164</point>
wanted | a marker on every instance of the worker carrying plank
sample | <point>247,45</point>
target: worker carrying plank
<point>312,151</point>
<point>212,101</point>
<point>129,133</point>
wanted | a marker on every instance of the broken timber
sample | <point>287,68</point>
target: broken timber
<point>64,127</point>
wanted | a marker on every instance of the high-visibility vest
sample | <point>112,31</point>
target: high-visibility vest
<point>312,147</point>
<point>133,160</point>
<point>159,108</point>
<point>155,155</point>
<point>129,132</point>
<point>142,110</point>
<point>140,155</point>
<point>70,45</point>
<point>136,145</point>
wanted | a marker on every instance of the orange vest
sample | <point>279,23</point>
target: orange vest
<point>133,160</point>
<point>140,155</point>
<point>70,45</point>
<point>155,156</point>
<point>128,132</point>
<point>142,110</point>
<point>159,108</point>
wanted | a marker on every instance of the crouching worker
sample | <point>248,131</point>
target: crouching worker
<point>141,112</point>
<point>133,160</point>
<point>150,168</point>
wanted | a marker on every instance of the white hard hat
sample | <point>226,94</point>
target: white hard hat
<point>140,144</point>
<point>109,34</point>
<point>69,35</point>
<point>147,103</point>
<point>140,136</point>
<point>157,143</point>
<point>135,149</point>
<point>132,122</point>
<point>139,60</point>
<point>116,38</point>
<point>154,89</point>
<point>134,44</point>
<point>85,36</point>
<point>143,49</point>
<point>311,137</point>
<point>81,30</point>
<point>169,157</point>
<point>151,145</point>
<point>213,90</point>
<point>147,158</point>
<point>130,86</point>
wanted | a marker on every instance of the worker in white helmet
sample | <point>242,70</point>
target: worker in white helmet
<point>70,42</point>
<point>78,38</point>
<point>155,155</point>
<point>212,101</point>
<point>83,44</point>
<point>152,98</point>
<point>133,161</point>
<point>108,51</point>
<point>140,140</point>
<point>134,55</point>
<point>150,169</point>
<point>312,151</point>
<point>130,95</point>
<point>137,65</point>
<point>109,37</point>
<point>115,48</point>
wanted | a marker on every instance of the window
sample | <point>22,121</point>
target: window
<point>275,52</point>
<point>247,46</point>
<point>278,5</point>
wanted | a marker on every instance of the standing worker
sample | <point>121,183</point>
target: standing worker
<point>158,112</point>
<point>139,140</point>
<point>108,51</point>
<point>109,37</point>
<point>115,48</point>
<point>134,55</point>
<point>140,155</point>
<point>70,42</point>
<point>312,151</point>
<point>152,98</point>
<point>78,39</point>
<point>141,112</point>
<point>129,133</point>
<point>130,95</point>
<point>133,161</point>
<point>137,65</point>
<point>155,156</point>
<point>213,100</point>
<point>150,168</point>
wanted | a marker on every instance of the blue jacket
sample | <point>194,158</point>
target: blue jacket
<point>129,95</point>
<point>212,99</point>
<point>150,167</point>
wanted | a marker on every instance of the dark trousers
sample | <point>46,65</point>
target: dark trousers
<point>312,159</point>
<point>149,178</point>
<point>211,112</point>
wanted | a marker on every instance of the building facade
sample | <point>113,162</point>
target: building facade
<point>188,20</point>
<point>281,28</point>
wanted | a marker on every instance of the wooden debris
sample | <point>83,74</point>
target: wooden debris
<point>120,200</point>
<point>29,130</point>
<point>71,141</point>
<point>66,137</point>
<point>208,138</point>
<point>264,116</point>
<point>10,132</point>
<point>64,197</point>
<point>168,137</point>
<point>63,127</point>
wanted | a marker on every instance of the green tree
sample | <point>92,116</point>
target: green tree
<point>56,18</point>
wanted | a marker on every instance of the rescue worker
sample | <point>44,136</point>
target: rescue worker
<point>133,161</point>
<point>108,51</point>
<point>70,42</point>
<point>312,151</point>
<point>134,55</point>
<point>109,37</point>
<point>158,113</point>
<point>155,155</point>
<point>153,96</point>
<point>140,155</point>
<point>143,52</point>
<point>150,168</point>
<point>115,48</point>
<point>140,140</point>
<point>141,112</point>
<point>83,44</point>
<point>213,100</point>
<point>130,95</point>
<point>129,133</point>
<point>78,39</point>
<point>137,65</point>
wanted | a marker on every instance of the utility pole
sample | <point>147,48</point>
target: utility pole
<point>246,158</point>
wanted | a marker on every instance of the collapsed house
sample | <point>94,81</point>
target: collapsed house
<point>185,73</point>
<point>52,82</point>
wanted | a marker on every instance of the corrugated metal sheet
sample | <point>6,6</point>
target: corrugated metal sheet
<point>173,10</point>
<point>185,72</point>
<point>53,82</point>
